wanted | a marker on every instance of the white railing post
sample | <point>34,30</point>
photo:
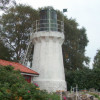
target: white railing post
<point>36,26</point>
<point>60,95</point>
<point>76,91</point>
<point>49,21</point>
<point>62,27</point>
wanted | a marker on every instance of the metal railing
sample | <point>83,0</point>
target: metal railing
<point>48,25</point>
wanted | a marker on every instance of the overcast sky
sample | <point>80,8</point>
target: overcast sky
<point>86,13</point>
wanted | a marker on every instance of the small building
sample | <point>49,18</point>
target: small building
<point>28,73</point>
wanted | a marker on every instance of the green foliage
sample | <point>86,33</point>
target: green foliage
<point>95,95</point>
<point>14,87</point>
<point>16,28</point>
<point>97,60</point>
<point>4,4</point>
<point>74,44</point>
<point>85,78</point>
<point>5,53</point>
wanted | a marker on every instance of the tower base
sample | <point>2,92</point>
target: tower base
<point>52,86</point>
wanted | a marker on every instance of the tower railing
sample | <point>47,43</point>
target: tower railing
<point>48,25</point>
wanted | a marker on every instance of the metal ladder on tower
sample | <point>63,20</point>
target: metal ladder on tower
<point>27,53</point>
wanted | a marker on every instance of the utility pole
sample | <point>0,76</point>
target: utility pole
<point>76,91</point>
<point>64,10</point>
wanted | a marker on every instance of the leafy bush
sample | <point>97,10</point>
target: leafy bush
<point>14,87</point>
<point>95,95</point>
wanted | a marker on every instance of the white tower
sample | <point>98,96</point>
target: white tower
<point>47,58</point>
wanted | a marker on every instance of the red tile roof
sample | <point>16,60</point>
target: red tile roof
<point>18,66</point>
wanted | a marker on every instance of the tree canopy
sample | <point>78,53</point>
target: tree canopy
<point>74,44</point>
<point>14,87</point>
<point>16,28</point>
<point>85,79</point>
<point>4,4</point>
<point>96,63</point>
<point>5,52</point>
<point>16,24</point>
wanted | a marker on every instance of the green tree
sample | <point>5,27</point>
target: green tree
<point>85,79</point>
<point>14,87</point>
<point>16,28</point>
<point>5,52</point>
<point>74,45</point>
<point>4,3</point>
<point>96,63</point>
<point>96,78</point>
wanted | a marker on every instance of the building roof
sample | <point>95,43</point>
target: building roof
<point>18,66</point>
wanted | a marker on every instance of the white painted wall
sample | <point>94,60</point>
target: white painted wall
<point>48,60</point>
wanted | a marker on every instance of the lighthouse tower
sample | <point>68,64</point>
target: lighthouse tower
<point>48,38</point>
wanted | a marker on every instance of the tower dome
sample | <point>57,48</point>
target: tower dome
<point>48,20</point>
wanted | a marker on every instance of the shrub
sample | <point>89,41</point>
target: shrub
<point>14,87</point>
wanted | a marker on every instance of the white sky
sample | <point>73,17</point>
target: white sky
<point>86,13</point>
